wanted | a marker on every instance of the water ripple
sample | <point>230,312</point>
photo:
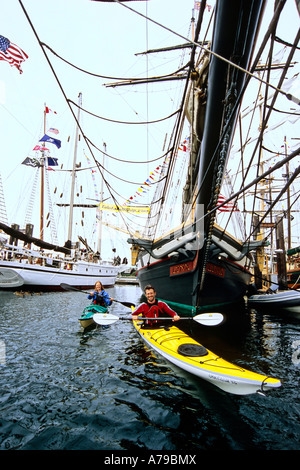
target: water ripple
<point>62,388</point>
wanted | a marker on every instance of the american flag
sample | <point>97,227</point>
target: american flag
<point>55,131</point>
<point>230,206</point>
<point>12,53</point>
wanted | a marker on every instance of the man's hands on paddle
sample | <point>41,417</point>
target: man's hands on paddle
<point>175,318</point>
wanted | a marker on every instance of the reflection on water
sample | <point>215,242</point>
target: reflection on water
<point>65,388</point>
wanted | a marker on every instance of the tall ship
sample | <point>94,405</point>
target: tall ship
<point>206,241</point>
<point>223,218</point>
<point>33,263</point>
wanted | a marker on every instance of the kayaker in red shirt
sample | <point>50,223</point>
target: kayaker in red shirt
<point>153,308</point>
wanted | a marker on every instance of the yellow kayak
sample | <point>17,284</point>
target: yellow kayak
<point>186,353</point>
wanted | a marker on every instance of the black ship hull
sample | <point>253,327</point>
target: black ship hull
<point>177,282</point>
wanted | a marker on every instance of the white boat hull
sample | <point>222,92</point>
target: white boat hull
<point>83,274</point>
<point>9,278</point>
<point>287,301</point>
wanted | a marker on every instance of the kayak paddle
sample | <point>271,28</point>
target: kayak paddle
<point>68,287</point>
<point>207,319</point>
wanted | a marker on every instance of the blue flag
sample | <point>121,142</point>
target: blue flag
<point>56,142</point>
<point>52,161</point>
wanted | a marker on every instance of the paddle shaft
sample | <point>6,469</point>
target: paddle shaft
<point>68,287</point>
<point>208,319</point>
<point>157,318</point>
<point>171,318</point>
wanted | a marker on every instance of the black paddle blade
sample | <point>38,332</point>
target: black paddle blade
<point>67,287</point>
<point>72,288</point>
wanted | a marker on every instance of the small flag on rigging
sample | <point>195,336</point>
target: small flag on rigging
<point>55,131</point>
<point>52,161</point>
<point>31,162</point>
<point>51,140</point>
<point>228,207</point>
<point>48,110</point>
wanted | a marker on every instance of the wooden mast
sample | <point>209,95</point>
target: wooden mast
<point>99,243</point>
<point>74,172</point>
<point>42,183</point>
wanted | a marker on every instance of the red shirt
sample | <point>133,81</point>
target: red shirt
<point>154,310</point>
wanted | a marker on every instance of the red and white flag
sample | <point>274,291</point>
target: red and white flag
<point>227,207</point>
<point>48,110</point>
<point>54,131</point>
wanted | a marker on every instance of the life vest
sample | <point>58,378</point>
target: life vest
<point>99,300</point>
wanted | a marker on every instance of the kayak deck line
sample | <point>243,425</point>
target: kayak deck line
<point>204,363</point>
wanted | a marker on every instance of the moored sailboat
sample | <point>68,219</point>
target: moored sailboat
<point>39,265</point>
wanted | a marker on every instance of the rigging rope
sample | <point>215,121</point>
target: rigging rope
<point>129,161</point>
<point>113,78</point>
<point>270,108</point>
<point>210,52</point>
<point>249,74</point>
<point>110,189</point>
<point>123,122</point>
<point>256,180</point>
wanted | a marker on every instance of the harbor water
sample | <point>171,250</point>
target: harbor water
<point>62,388</point>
